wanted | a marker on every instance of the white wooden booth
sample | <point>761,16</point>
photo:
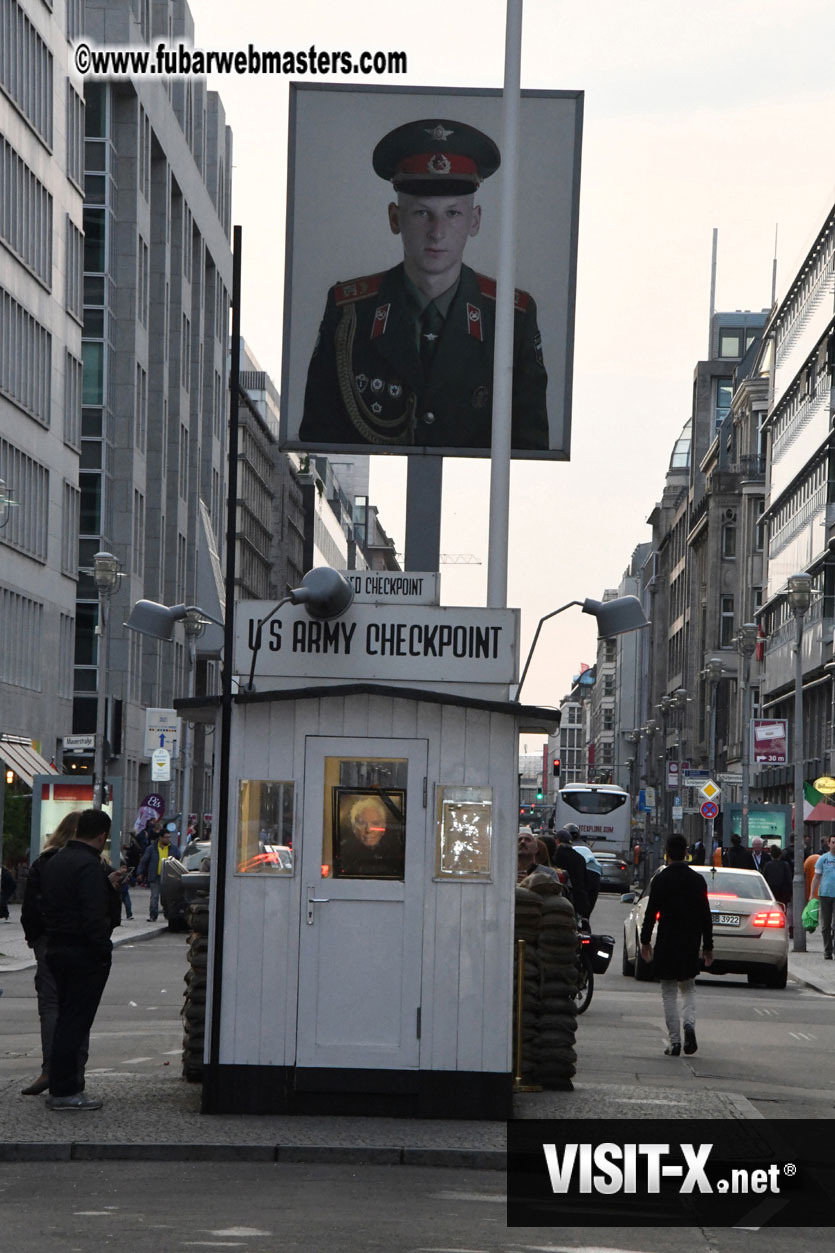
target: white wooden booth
<point>383,988</point>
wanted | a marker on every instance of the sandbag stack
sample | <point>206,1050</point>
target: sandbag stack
<point>545,920</point>
<point>528,921</point>
<point>193,1012</point>
<point>557,1016</point>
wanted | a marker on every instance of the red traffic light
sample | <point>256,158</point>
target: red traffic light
<point>556,767</point>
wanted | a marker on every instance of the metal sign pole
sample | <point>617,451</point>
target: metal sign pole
<point>505,286</point>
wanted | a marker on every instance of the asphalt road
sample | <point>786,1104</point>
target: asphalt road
<point>138,1026</point>
<point>162,1208</point>
<point>769,1046</point>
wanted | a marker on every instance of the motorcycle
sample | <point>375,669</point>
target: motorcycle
<point>594,952</point>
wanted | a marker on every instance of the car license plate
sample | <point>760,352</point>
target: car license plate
<point>726,920</point>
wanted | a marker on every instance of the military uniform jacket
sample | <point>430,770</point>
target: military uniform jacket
<point>366,383</point>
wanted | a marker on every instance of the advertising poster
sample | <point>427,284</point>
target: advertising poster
<point>771,741</point>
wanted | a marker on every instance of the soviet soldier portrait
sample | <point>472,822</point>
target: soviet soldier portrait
<point>405,357</point>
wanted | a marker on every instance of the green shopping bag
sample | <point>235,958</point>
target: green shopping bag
<point>809,917</point>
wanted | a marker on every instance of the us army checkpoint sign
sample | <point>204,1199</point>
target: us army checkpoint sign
<point>390,643</point>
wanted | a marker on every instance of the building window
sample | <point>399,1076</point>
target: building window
<point>729,540</point>
<point>25,214</point>
<point>74,278</point>
<point>724,396</point>
<point>25,359</point>
<point>21,662</point>
<point>75,137</point>
<point>26,68</point>
<point>730,341</point>
<point>140,428</point>
<point>726,621</point>
<point>69,529</point>
<point>72,401</point>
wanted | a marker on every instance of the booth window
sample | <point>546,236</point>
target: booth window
<point>364,820</point>
<point>265,827</point>
<point>464,833</point>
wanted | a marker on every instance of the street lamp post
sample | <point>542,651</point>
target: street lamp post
<point>680,699</point>
<point>106,570</point>
<point>800,598</point>
<point>194,624</point>
<point>746,642</point>
<point>664,707</point>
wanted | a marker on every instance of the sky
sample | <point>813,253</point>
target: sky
<point>716,115</point>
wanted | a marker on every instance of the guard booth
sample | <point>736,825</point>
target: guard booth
<point>363,961</point>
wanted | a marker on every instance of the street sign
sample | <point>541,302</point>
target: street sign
<point>394,587</point>
<point>161,766</point>
<point>694,778</point>
<point>78,743</point>
<point>729,780</point>
<point>162,730</point>
<point>709,810</point>
<point>710,791</point>
<point>678,813</point>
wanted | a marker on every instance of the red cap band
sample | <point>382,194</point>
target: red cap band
<point>437,165</point>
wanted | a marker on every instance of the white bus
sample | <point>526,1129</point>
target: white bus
<point>602,811</point>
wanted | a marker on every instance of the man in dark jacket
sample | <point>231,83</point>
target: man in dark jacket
<point>739,857</point>
<point>778,875</point>
<point>574,864</point>
<point>678,898</point>
<point>81,906</point>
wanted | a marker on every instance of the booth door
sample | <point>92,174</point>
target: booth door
<point>362,858</point>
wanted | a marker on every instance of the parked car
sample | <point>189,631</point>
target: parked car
<point>750,932</point>
<point>184,880</point>
<point>617,873</point>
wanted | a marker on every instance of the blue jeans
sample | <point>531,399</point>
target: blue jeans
<point>153,908</point>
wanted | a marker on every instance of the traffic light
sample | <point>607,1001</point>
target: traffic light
<point>539,794</point>
<point>556,767</point>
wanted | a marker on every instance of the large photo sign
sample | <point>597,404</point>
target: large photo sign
<point>392,248</point>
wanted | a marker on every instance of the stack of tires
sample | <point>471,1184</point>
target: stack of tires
<point>557,1014</point>
<point>194,1010</point>
<point>528,922</point>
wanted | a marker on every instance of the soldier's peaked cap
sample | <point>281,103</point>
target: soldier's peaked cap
<point>436,157</point>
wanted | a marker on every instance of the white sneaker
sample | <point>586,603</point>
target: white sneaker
<point>78,1100</point>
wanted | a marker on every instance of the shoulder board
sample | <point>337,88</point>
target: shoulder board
<point>487,287</point>
<point>357,289</point>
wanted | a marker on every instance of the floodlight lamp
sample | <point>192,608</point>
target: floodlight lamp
<point>325,593</point>
<point>614,617</point>
<point>150,618</point>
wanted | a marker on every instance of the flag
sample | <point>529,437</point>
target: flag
<point>811,797</point>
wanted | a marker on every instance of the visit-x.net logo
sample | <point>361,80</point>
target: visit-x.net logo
<point>648,1172</point>
<point>609,1168</point>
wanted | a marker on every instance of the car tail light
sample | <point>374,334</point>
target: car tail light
<point>769,918</point>
<point>585,939</point>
